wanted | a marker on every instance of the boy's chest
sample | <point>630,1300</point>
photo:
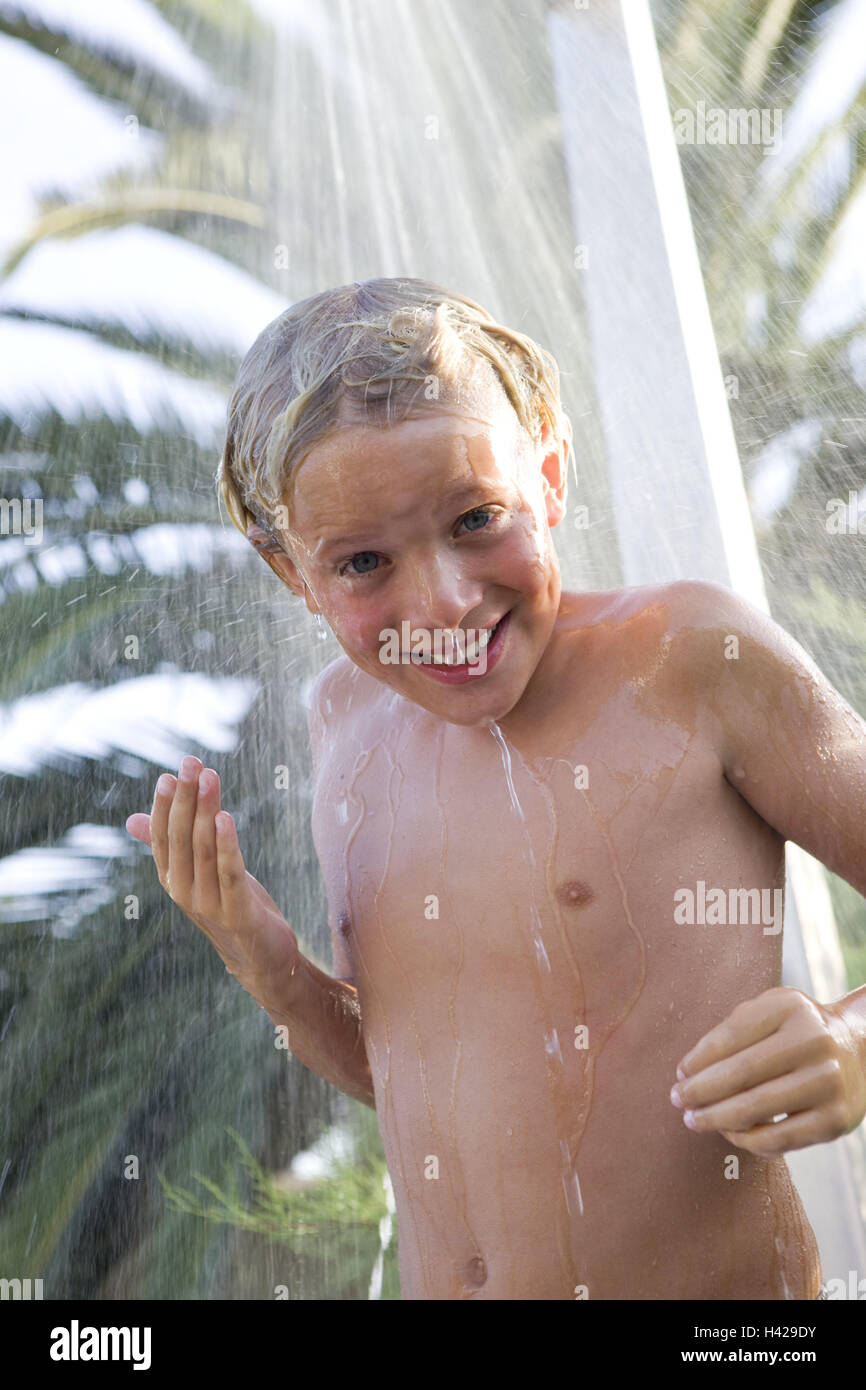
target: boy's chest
<point>447,849</point>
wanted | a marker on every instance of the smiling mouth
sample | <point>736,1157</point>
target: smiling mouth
<point>464,654</point>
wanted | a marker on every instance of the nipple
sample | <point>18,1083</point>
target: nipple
<point>575,893</point>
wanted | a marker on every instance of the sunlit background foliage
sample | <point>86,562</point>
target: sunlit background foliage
<point>153,220</point>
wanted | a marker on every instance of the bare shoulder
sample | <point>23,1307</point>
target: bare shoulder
<point>702,603</point>
<point>732,658</point>
<point>324,697</point>
<point>328,684</point>
<point>688,635</point>
<point>703,627</point>
<point>605,605</point>
<point>682,602</point>
<point>660,609</point>
<point>708,617</point>
<point>684,609</point>
<point>338,692</point>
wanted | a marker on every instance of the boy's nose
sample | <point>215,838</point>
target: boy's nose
<point>445,610</point>
<point>442,596</point>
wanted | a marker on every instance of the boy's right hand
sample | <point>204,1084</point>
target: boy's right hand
<point>200,866</point>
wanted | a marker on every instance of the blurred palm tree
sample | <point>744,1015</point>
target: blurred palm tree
<point>123,310</point>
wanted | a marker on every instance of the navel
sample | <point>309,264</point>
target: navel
<point>474,1273</point>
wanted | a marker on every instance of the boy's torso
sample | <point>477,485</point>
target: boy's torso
<point>526,990</point>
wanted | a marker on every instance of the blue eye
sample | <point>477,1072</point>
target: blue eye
<point>365,562</point>
<point>476,512</point>
<point>361,561</point>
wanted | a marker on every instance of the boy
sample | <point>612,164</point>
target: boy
<point>520,795</point>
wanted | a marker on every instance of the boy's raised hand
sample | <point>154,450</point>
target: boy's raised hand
<point>780,1054</point>
<point>200,866</point>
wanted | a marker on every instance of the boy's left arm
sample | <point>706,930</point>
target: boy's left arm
<point>796,752</point>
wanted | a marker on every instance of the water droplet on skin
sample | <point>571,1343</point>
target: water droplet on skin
<point>551,1044</point>
<point>578,1191</point>
<point>570,1181</point>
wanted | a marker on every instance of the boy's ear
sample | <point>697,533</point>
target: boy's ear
<point>554,473</point>
<point>274,556</point>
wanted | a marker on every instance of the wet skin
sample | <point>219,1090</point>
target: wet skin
<point>523,990</point>
<point>459,1010</point>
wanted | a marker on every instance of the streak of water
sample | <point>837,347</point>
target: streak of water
<point>506,763</point>
<point>780,1249</point>
<point>568,1166</point>
<point>386,1230</point>
<point>552,1049</point>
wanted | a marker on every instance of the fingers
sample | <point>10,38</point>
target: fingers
<point>181,818</point>
<point>749,1023</point>
<point>181,833</point>
<point>796,1131</point>
<point>159,825</point>
<point>200,865</point>
<point>766,1141</point>
<point>786,1095</point>
<point>747,1069</point>
<point>231,872</point>
<point>204,844</point>
<point>138,826</point>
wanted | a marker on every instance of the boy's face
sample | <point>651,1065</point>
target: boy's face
<point>407,534</point>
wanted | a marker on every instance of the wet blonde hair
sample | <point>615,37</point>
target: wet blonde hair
<point>368,354</point>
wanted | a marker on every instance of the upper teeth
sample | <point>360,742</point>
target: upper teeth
<point>473,649</point>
